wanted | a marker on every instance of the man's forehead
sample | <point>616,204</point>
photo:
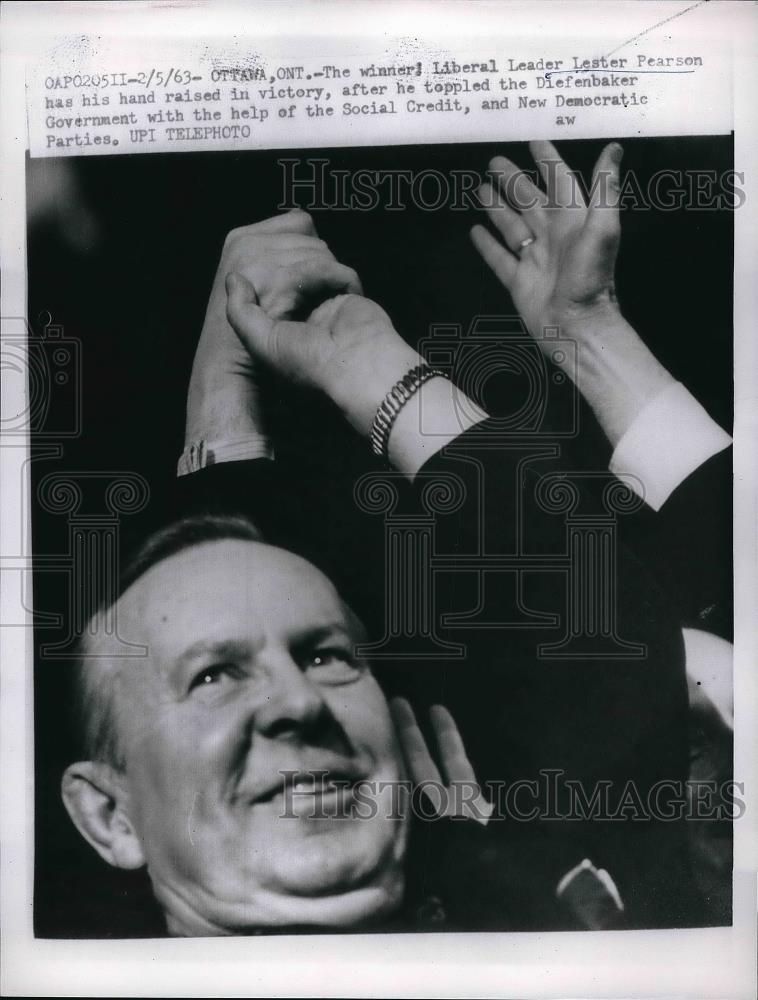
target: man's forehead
<point>223,584</point>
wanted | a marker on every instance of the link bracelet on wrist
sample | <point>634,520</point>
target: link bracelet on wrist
<point>393,403</point>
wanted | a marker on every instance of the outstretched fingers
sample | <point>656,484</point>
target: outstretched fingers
<point>521,193</point>
<point>421,767</point>
<point>517,208</point>
<point>509,223</point>
<point>452,752</point>
<point>561,184</point>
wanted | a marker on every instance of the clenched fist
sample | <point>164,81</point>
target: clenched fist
<point>347,348</point>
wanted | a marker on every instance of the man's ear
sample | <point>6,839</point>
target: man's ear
<point>97,803</point>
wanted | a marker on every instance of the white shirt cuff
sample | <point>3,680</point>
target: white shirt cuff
<point>199,454</point>
<point>600,874</point>
<point>671,438</point>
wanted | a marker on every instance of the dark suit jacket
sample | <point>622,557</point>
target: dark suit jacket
<point>601,716</point>
<point>688,545</point>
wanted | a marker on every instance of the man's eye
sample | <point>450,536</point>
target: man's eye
<point>333,666</point>
<point>215,676</point>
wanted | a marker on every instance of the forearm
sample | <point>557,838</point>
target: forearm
<point>615,371</point>
<point>222,411</point>
<point>223,423</point>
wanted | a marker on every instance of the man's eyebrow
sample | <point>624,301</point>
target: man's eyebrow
<point>347,628</point>
<point>319,633</point>
<point>350,629</point>
<point>225,648</point>
<point>237,648</point>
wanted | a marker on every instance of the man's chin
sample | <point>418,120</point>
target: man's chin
<point>350,875</point>
<point>351,859</point>
<point>277,907</point>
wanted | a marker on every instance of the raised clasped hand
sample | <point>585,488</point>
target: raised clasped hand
<point>292,270</point>
<point>347,347</point>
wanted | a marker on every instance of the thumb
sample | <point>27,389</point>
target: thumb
<point>248,320</point>
<point>606,192</point>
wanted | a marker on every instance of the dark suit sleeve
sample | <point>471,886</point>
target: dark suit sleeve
<point>688,545</point>
<point>573,675</point>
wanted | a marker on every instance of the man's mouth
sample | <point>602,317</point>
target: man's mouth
<point>313,784</point>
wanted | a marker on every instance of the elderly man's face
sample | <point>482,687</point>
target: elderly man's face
<point>251,673</point>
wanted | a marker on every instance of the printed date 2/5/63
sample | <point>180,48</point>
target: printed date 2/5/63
<point>145,78</point>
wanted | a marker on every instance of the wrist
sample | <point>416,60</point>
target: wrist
<point>358,385</point>
<point>615,370</point>
<point>581,321</point>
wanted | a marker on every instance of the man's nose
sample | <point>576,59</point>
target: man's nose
<point>293,705</point>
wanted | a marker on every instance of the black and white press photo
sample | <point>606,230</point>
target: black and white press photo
<point>378,499</point>
<point>397,534</point>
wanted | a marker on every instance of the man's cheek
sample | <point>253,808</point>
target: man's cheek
<point>168,779</point>
<point>361,710</point>
<point>368,727</point>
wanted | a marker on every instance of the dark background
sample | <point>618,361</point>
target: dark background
<point>121,253</point>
